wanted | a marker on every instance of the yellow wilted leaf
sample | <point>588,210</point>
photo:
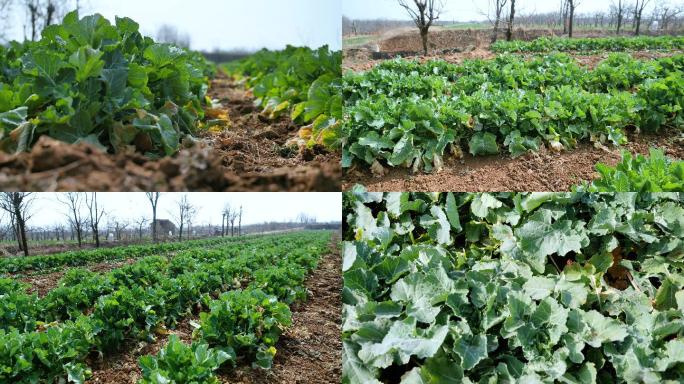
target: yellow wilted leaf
<point>305,132</point>
<point>216,114</point>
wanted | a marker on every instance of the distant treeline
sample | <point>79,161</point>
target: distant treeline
<point>367,27</point>
<point>226,56</point>
<point>662,20</point>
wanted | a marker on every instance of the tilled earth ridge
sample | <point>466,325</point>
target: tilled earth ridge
<point>541,171</point>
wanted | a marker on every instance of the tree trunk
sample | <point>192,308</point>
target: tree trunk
<point>96,235</point>
<point>619,21</point>
<point>22,230</point>
<point>509,32</point>
<point>78,236</point>
<point>424,38</point>
<point>637,20</point>
<point>154,224</point>
<point>180,232</point>
<point>572,16</point>
<point>496,30</point>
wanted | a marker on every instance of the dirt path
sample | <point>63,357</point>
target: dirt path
<point>257,146</point>
<point>310,351</point>
<point>542,171</point>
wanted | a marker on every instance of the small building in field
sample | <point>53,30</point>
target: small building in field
<point>165,229</point>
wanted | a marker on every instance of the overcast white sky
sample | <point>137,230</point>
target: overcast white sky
<point>225,24</point>
<point>258,206</point>
<point>459,10</point>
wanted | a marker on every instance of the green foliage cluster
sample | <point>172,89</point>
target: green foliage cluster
<point>299,81</point>
<point>653,173</point>
<point>249,322</point>
<point>106,311</point>
<point>590,44</point>
<point>180,363</point>
<point>411,114</point>
<point>88,80</point>
<point>513,288</point>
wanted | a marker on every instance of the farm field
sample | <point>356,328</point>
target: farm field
<point>95,105</point>
<point>209,310</point>
<point>513,287</point>
<point>521,115</point>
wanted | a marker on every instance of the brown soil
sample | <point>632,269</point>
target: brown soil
<point>42,284</point>
<point>244,157</point>
<point>541,171</point>
<point>310,351</point>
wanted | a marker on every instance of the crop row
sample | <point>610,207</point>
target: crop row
<point>513,287</point>
<point>298,81</point>
<point>410,114</point>
<point>651,173</point>
<point>87,80</point>
<point>87,256</point>
<point>153,294</point>
<point>547,44</point>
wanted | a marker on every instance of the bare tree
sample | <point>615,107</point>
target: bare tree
<point>564,6</point>
<point>305,218</point>
<point>638,11</point>
<point>618,9</point>
<point>74,203</point>
<point>169,34</point>
<point>18,205</point>
<point>153,197</point>
<point>184,209</point>
<point>33,13</point>
<point>227,211</point>
<point>572,6</point>
<point>232,217</point>
<point>190,214</point>
<point>511,18</point>
<point>141,221</point>
<point>666,14</point>
<point>119,226</point>
<point>497,6</point>
<point>240,222</point>
<point>426,12</point>
<point>95,213</point>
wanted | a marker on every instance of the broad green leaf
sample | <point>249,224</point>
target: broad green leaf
<point>471,349</point>
<point>483,143</point>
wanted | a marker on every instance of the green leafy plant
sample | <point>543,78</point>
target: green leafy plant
<point>513,287</point>
<point>546,44</point>
<point>248,321</point>
<point>90,81</point>
<point>653,173</point>
<point>181,364</point>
